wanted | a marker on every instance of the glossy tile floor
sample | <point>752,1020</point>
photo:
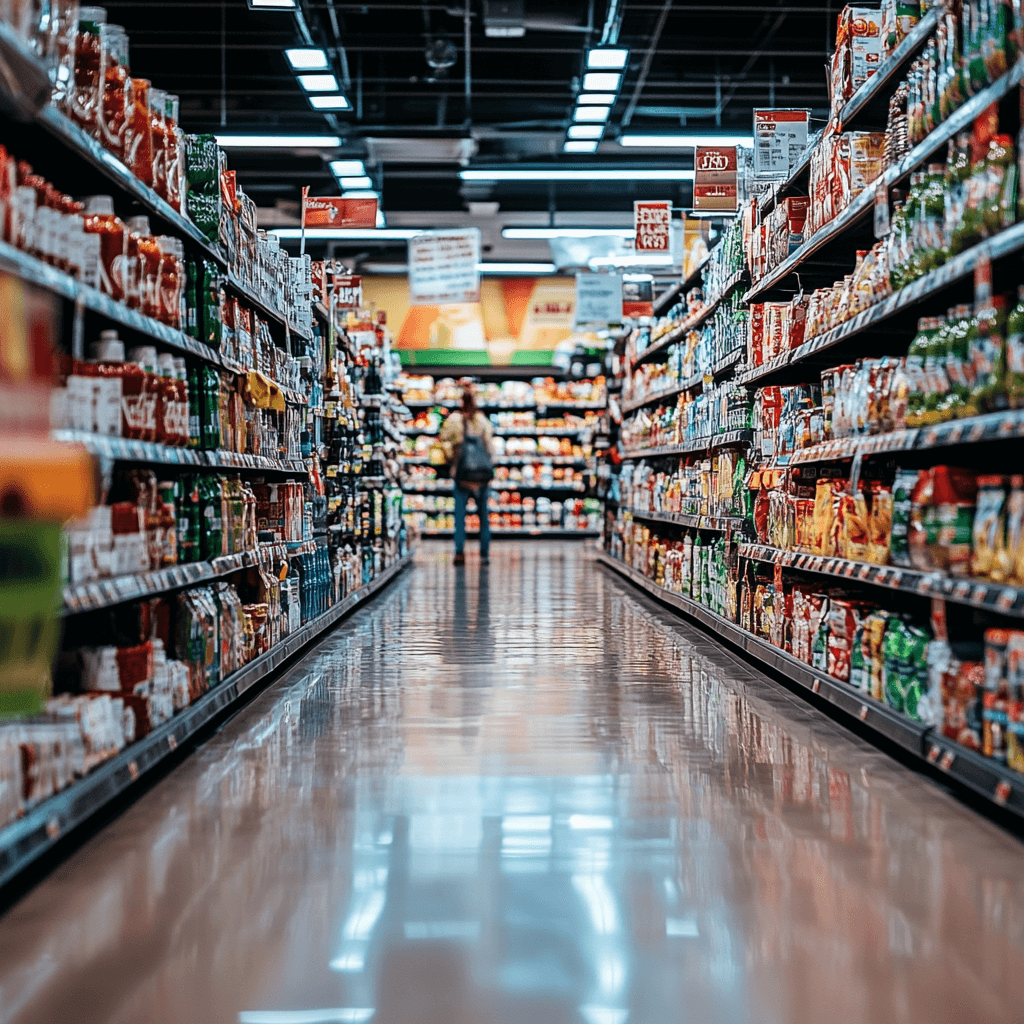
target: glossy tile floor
<point>525,794</point>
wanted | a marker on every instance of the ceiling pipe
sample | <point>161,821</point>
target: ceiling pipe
<point>645,68</point>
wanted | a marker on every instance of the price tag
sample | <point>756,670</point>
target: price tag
<point>1006,600</point>
<point>172,742</point>
<point>816,686</point>
<point>133,770</point>
<point>947,760</point>
<point>977,431</point>
<point>863,712</point>
<point>52,829</point>
<point>1002,793</point>
<point>933,752</point>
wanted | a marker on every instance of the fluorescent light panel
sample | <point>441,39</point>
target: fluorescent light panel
<point>591,99</point>
<point>318,83</point>
<point>516,268</point>
<point>611,58</point>
<point>599,114</point>
<point>683,141</point>
<point>278,141</point>
<point>585,131</point>
<point>525,233</point>
<point>337,102</point>
<point>307,59</point>
<point>271,5</point>
<point>347,168</point>
<point>361,181</point>
<point>360,193</point>
<point>353,234</point>
<point>577,174</point>
<point>601,81</point>
<point>580,146</point>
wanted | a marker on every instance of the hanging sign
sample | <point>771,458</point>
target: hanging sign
<point>335,212</point>
<point>652,222</point>
<point>638,295</point>
<point>598,299</point>
<point>348,291</point>
<point>714,178</point>
<point>780,137</point>
<point>444,267</point>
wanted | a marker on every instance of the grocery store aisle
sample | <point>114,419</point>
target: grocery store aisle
<point>523,794</point>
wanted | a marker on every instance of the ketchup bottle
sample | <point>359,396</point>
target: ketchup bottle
<point>85,94</point>
<point>172,285</point>
<point>112,116</point>
<point>158,131</point>
<point>101,220</point>
<point>139,133</point>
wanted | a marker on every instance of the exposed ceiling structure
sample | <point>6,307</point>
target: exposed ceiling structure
<point>438,87</point>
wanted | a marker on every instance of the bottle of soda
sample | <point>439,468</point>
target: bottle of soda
<point>211,408</point>
<point>212,535</point>
<point>189,549</point>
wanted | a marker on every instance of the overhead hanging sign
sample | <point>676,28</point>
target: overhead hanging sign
<point>714,178</point>
<point>780,137</point>
<point>335,212</point>
<point>598,299</point>
<point>652,221</point>
<point>444,267</point>
<point>638,295</point>
<point>348,291</point>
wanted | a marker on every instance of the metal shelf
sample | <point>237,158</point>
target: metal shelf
<point>721,524</point>
<point>42,827</point>
<point>699,445</point>
<point>666,301</point>
<point>999,598</point>
<point>697,380</point>
<point>999,785</point>
<point>525,532</point>
<point>24,81</point>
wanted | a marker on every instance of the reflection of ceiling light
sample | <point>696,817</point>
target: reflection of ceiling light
<point>306,59</point>
<point>601,81</point>
<point>351,234</point>
<point>346,168</point>
<point>343,1015</point>
<point>278,141</point>
<point>362,181</point>
<point>359,193</point>
<point>337,102</point>
<point>579,146</point>
<point>318,83</point>
<point>681,928</point>
<point>607,57</point>
<point>585,131</point>
<point>524,233</point>
<point>595,822</point>
<point>516,268</point>
<point>685,141</point>
<point>591,113</point>
<point>576,174</point>
<point>271,5</point>
<point>594,98</point>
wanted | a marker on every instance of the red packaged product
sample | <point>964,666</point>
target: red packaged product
<point>101,220</point>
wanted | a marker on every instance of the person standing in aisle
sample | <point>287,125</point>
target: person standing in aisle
<point>466,438</point>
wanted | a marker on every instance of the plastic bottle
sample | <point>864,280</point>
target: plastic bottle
<point>135,282</point>
<point>158,134</point>
<point>988,390</point>
<point>171,429</point>
<point>195,408</point>
<point>210,427</point>
<point>174,153</point>
<point>101,220</point>
<point>181,392</point>
<point>212,526</point>
<point>188,520</point>
<point>151,399</point>
<point>1013,353</point>
<point>85,95</point>
<point>171,287</point>
<point>139,133</point>
<point>105,366</point>
<point>113,112</point>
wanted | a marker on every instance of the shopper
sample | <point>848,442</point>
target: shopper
<point>466,439</point>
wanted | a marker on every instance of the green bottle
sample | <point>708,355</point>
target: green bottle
<point>191,318</point>
<point>188,520</point>
<point>195,405</point>
<point>211,408</point>
<point>1013,353</point>
<point>212,533</point>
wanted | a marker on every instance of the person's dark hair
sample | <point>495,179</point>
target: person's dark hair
<point>469,406</point>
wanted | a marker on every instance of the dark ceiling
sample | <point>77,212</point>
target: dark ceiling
<point>699,65</point>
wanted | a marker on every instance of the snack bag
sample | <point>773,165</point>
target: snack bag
<point>989,530</point>
<point>879,524</point>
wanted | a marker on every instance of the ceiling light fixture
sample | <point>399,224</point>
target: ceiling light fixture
<point>541,233</point>
<point>307,59</point>
<point>592,98</point>
<point>575,174</point>
<point>359,193</point>
<point>653,259</point>
<point>358,181</point>
<point>608,57</point>
<point>278,141</point>
<point>342,168</point>
<point>591,113</point>
<point>334,102</point>
<point>350,234</point>
<point>580,146</point>
<point>271,5</point>
<point>516,268</point>
<point>684,141</point>
<point>585,131</point>
<point>601,81</point>
<point>318,83</point>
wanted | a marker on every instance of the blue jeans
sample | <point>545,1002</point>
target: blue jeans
<point>462,496</point>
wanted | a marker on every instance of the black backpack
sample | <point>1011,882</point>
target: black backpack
<point>474,462</point>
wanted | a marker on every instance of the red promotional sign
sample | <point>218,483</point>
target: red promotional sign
<point>714,178</point>
<point>348,291</point>
<point>335,212</point>
<point>652,222</point>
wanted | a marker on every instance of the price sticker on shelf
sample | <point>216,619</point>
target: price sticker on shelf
<point>863,712</point>
<point>172,742</point>
<point>1006,600</point>
<point>52,829</point>
<point>934,752</point>
<point>816,686</point>
<point>946,762</point>
<point>133,770</point>
<point>1002,793</point>
<point>977,431</point>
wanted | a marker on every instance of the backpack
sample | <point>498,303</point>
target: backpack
<point>474,461</point>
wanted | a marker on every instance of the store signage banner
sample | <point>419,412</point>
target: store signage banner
<point>598,299</point>
<point>714,178</point>
<point>780,136</point>
<point>444,267</point>
<point>335,212</point>
<point>638,297</point>
<point>652,221</point>
<point>348,291</point>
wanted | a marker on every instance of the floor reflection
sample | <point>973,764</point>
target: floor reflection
<point>521,793</point>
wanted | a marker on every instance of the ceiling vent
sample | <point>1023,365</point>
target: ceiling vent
<point>504,18</point>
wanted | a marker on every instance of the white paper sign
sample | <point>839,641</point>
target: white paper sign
<point>443,267</point>
<point>598,299</point>
<point>780,136</point>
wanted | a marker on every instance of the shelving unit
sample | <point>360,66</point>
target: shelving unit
<point>113,782</point>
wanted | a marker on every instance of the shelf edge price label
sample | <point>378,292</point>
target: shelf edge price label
<point>934,752</point>
<point>947,760</point>
<point>1002,793</point>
